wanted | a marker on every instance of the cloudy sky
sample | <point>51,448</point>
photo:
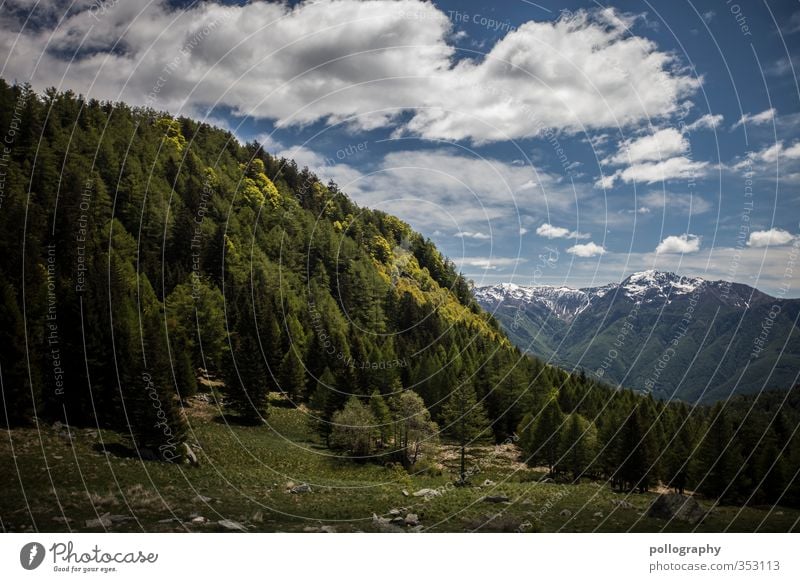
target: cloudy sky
<point>558,143</point>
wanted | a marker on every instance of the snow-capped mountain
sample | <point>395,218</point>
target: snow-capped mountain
<point>714,331</point>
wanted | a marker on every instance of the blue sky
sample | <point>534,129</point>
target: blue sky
<point>558,143</point>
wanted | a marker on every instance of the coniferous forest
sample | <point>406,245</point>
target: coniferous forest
<point>150,263</point>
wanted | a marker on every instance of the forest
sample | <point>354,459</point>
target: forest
<point>141,253</point>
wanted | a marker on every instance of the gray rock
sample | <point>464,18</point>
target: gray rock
<point>496,499</point>
<point>311,529</point>
<point>60,519</point>
<point>411,519</point>
<point>327,529</point>
<point>404,492</point>
<point>397,521</point>
<point>394,512</point>
<point>120,518</point>
<point>417,528</point>
<point>189,456</point>
<point>598,514</point>
<point>622,504</point>
<point>377,520</point>
<point>203,499</point>
<point>102,521</point>
<point>231,525</point>
<point>488,483</point>
<point>302,488</point>
<point>565,513</point>
<point>676,506</point>
<point>199,520</point>
<point>427,493</point>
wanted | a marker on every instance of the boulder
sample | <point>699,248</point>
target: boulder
<point>189,456</point>
<point>199,520</point>
<point>379,520</point>
<point>231,525</point>
<point>397,521</point>
<point>302,488</point>
<point>411,519</point>
<point>488,483</point>
<point>676,506</point>
<point>327,529</point>
<point>404,492</point>
<point>427,493</point>
<point>496,499</point>
<point>565,513</point>
<point>394,512</point>
<point>622,504</point>
<point>102,521</point>
<point>203,499</point>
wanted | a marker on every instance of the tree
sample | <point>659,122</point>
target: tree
<point>292,375</point>
<point>383,416</point>
<point>578,445</point>
<point>413,427</point>
<point>465,419</point>
<point>354,428</point>
<point>541,436</point>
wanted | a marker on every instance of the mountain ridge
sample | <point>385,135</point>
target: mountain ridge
<point>575,328</point>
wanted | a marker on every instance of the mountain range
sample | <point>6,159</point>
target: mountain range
<point>656,332</point>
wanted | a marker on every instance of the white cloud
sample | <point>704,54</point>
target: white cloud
<point>756,118</point>
<point>474,235</point>
<point>671,202</point>
<point>657,157</point>
<point>664,143</point>
<point>683,244</point>
<point>586,250</point>
<point>707,121</point>
<point>523,231</point>
<point>363,63</point>
<point>773,237</point>
<point>549,231</point>
<point>671,169</point>
<point>488,263</point>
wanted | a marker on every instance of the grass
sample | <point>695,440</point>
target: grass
<point>57,483</point>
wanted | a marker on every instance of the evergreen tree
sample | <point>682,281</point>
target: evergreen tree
<point>464,419</point>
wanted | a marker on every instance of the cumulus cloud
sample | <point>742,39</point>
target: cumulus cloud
<point>756,118</point>
<point>657,157</point>
<point>371,64</point>
<point>682,244</point>
<point>664,143</point>
<point>773,237</point>
<point>673,203</point>
<point>549,231</point>
<point>586,250</point>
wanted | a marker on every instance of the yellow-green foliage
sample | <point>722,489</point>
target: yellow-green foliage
<point>171,129</point>
<point>257,188</point>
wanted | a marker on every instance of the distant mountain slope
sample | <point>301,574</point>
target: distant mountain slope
<point>657,332</point>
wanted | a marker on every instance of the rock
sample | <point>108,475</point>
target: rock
<point>622,504</point>
<point>102,521</point>
<point>231,525</point>
<point>311,529</point>
<point>427,493</point>
<point>327,529</point>
<point>169,520</point>
<point>303,488</point>
<point>404,492</point>
<point>379,520</point>
<point>57,457</point>
<point>119,518</point>
<point>488,483</point>
<point>57,425</point>
<point>203,499</point>
<point>411,519</point>
<point>417,528</point>
<point>565,513</point>
<point>598,514</point>
<point>258,516</point>
<point>199,520</point>
<point>60,519</point>
<point>397,521</point>
<point>394,512</point>
<point>189,456</point>
<point>495,499</point>
<point>676,506</point>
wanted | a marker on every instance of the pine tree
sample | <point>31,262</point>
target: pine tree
<point>464,419</point>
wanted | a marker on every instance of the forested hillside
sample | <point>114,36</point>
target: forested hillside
<point>137,248</point>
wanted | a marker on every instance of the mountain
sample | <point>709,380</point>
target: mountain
<point>677,337</point>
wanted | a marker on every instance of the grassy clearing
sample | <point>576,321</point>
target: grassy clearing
<point>56,480</point>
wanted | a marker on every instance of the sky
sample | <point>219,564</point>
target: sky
<point>560,143</point>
